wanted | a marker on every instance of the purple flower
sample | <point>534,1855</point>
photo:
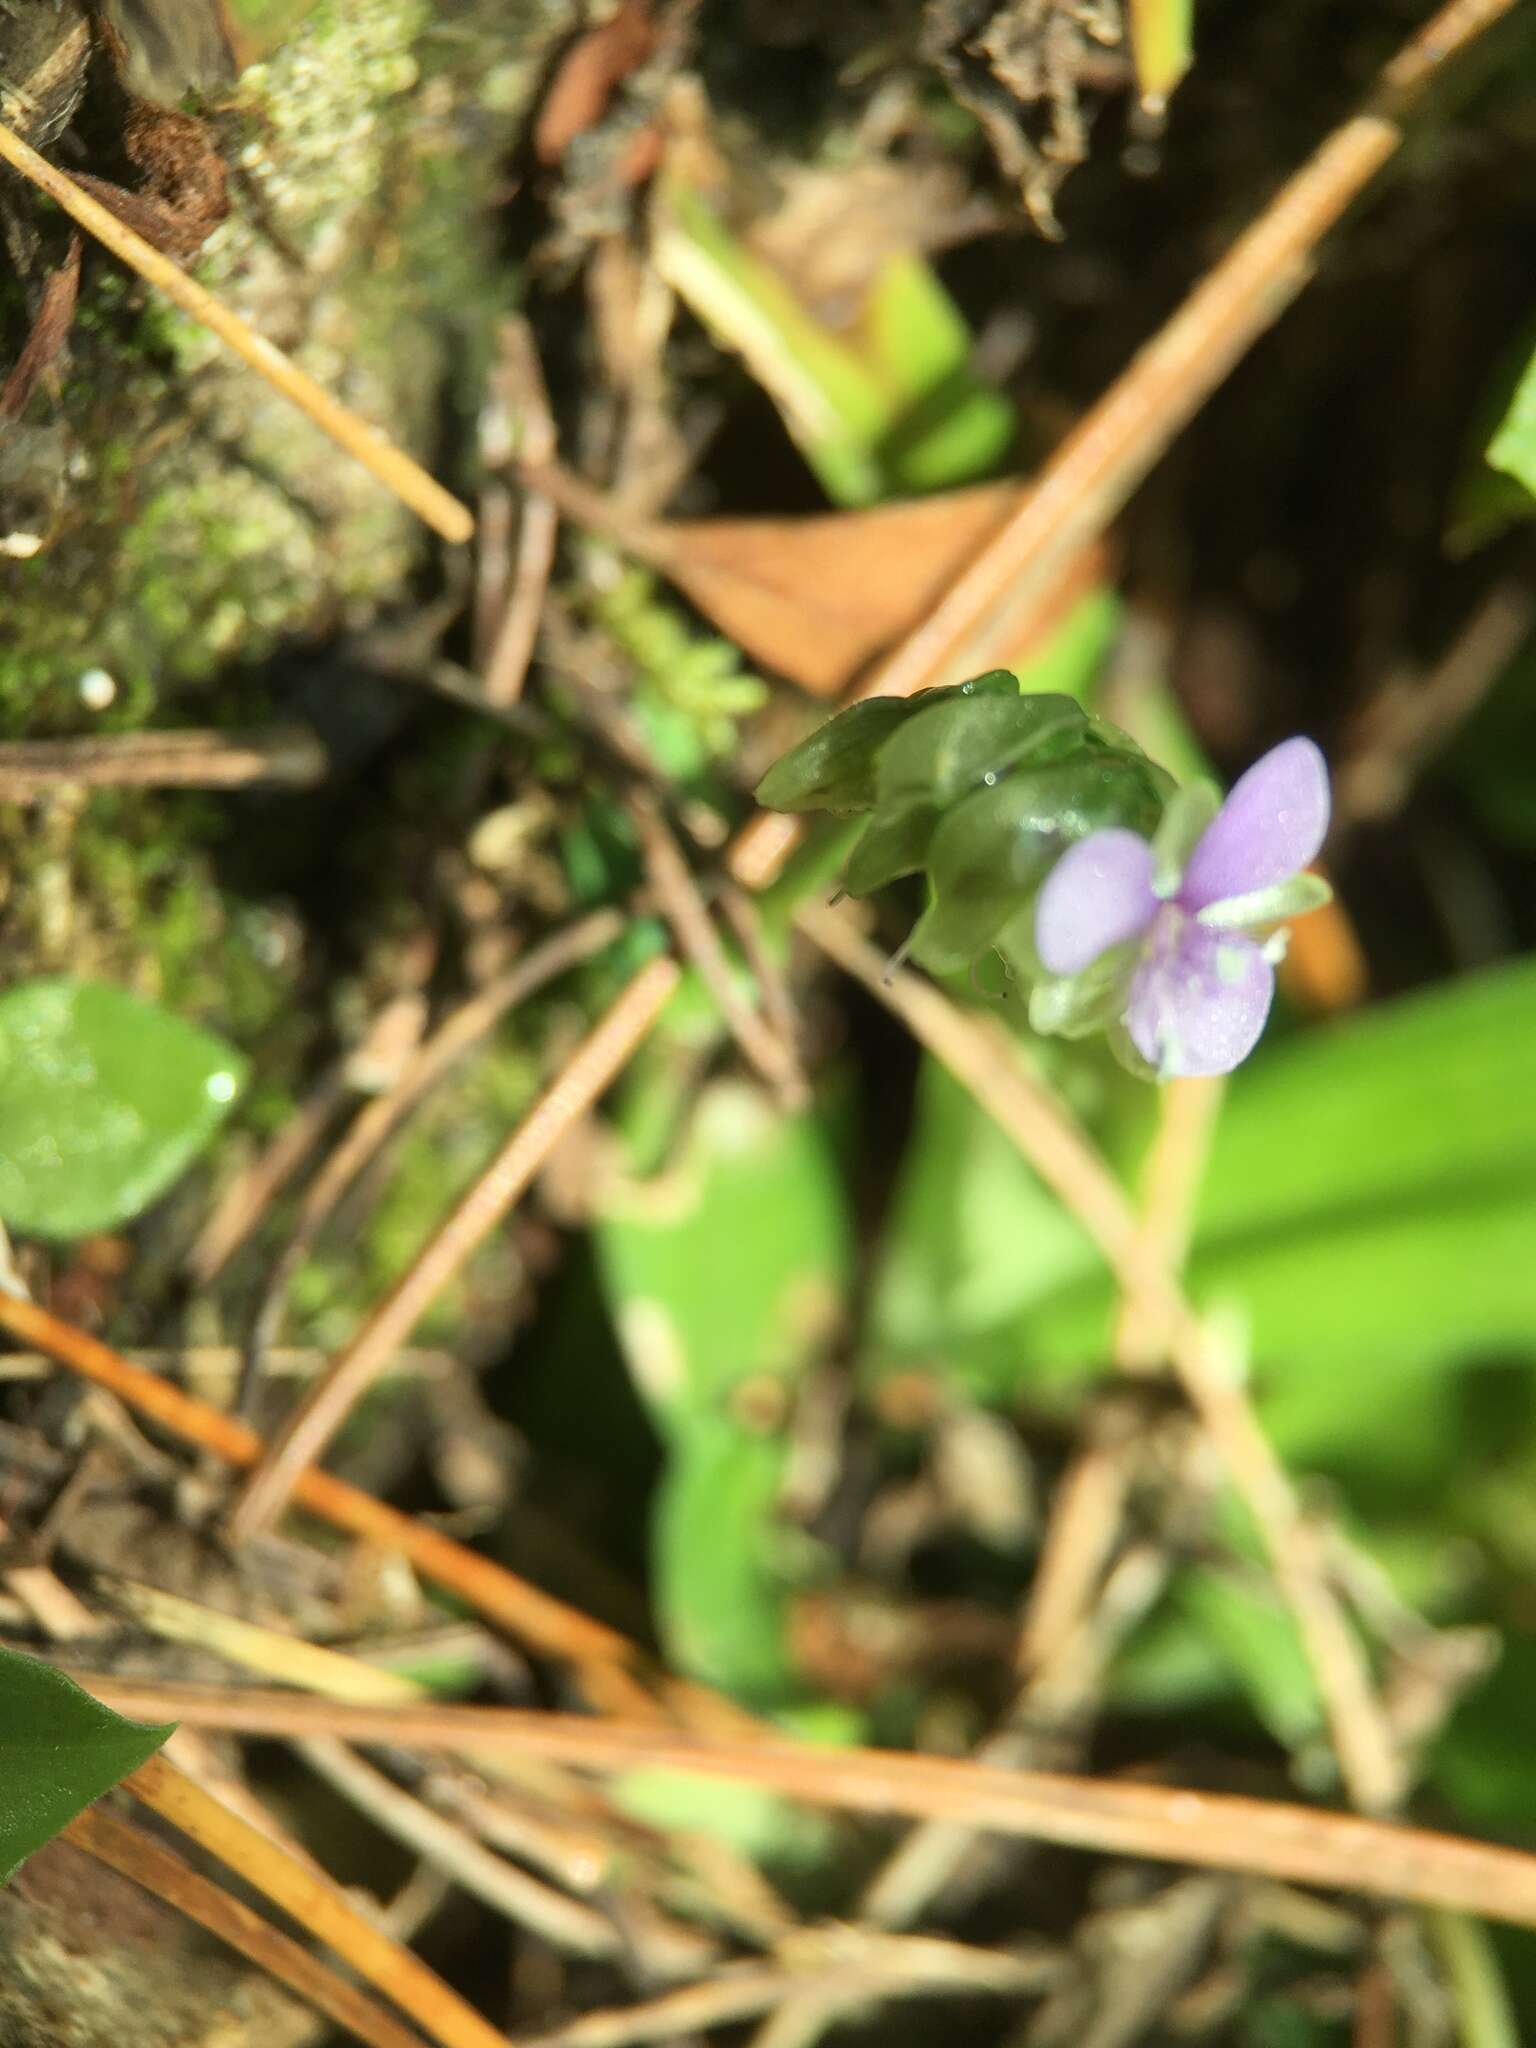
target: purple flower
<point>1154,940</point>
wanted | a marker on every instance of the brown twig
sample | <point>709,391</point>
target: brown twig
<point>745,919</point>
<point>1073,1620</point>
<point>149,1863</point>
<point>680,903</point>
<point>523,391</point>
<point>393,468</point>
<point>273,1654</point>
<point>572,1856</point>
<point>1376,2015</point>
<point>161,760</point>
<point>526,1613</point>
<point>588,1072</point>
<point>855,1970</point>
<point>1187,1111</point>
<point>1395,731</point>
<point>211,1370</point>
<point>1047,1724</point>
<point>1216,1831</point>
<point>315,1903</point>
<point>1094,471</point>
<point>564,1923</point>
<point>987,1065</point>
<point>378,1118</point>
<point>1072,1617</point>
<point>1079,1539</point>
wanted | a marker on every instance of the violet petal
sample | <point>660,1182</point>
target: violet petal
<point>1098,895</point>
<point>1200,998</point>
<point>1272,824</point>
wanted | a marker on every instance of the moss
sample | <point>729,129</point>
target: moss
<point>201,519</point>
<point>191,522</point>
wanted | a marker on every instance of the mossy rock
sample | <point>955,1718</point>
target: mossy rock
<point>167,518</point>
<point>187,517</point>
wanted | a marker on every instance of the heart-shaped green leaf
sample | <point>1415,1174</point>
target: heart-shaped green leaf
<point>59,1750</point>
<point>954,747</point>
<point>993,847</point>
<point>104,1100</point>
<point>834,768</point>
<point>894,844</point>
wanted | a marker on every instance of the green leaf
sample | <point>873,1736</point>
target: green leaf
<point>889,407</point>
<point>894,844</point>
<point>948,427</point>
<point>956,746</point>
<point>1071,660</point>
<point>1432,1095</point>
<point>1162,36</point>
<point>104,1101</point>
<point>993,847</point>
<point>732,1265</point>
<point>973,1235</point>
<point>988,853</point>
<point>1513,447</point>
<point>719,1575</point>
<point>833,769</point>
<point>1367,1212</point>
<point>755,1822</point>
<point>59,1750</point>
<point>1250,1630</point>
<point>831,402</point>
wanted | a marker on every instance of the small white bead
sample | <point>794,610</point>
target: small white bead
<point>97,689</point>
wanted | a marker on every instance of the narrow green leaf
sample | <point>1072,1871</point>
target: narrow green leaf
<point>832,403</point>
<point>1484,2012</point>
<point>1250,1629</point>
<point>1162,47</point>
<point>755,1822</point>
<point>973,1234</point>
<point>1367,1211</point>
<point>59,1750</point>
<point>1513,447</point>
<point>104,1101</point>
<point>947,425</point>
<point>720,1589</point>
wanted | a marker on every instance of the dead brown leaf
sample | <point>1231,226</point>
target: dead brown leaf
<point>817,599</point>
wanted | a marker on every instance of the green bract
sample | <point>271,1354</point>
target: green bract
<point>977,786</point>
